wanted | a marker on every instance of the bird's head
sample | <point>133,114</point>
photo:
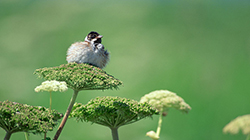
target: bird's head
<point>93,37</point>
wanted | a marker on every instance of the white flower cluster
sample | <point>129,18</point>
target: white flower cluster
<point>164,99</point>
<point>240,123</point>
<point>52,86</point>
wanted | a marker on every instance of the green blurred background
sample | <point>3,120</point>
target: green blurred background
<point>198,49</point>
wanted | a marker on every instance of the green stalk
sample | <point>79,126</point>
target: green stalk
<point>50,106</point>
<point>114,133</point>
<point>248,137</point>
<point>66,115</point>
<point>50,102</point>
<point>7,136</point>
<point>26,135</point>
<point>45,135</point>
<point>159,124</point>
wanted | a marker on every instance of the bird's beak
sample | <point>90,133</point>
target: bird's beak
<point>99,36</point>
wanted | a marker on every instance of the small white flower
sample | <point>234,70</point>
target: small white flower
<point>152,135</point>
<point>52,86</point>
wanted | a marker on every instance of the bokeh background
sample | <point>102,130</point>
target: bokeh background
<point>198,49</point>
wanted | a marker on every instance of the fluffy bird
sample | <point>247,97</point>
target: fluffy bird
<point>90,51</point>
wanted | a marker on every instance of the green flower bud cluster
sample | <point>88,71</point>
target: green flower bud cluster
<point>112,112</point>
<point>80,76</point>
<point>164,100</point>
<point>240,123</point>
<point>52,86</point>
<point>16,117</point>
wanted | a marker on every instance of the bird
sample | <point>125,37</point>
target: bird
<point>89,51</point>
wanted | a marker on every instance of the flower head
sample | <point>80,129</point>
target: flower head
<point>52,86</point>
<point>164,99</point>
<point>240,123</point>
<point>80,76</point>
<point>16,117</point>
<point>112,111</point>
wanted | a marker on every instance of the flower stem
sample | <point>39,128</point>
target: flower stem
<point>50,106</point>
<point>45,135</point>
<point>66,115</point>
<point>50,102</point>
<point>7,136</point>
<point>159,124</point>
<point>26,135</point>
<point>248,137</point>
<point>114,133</point>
